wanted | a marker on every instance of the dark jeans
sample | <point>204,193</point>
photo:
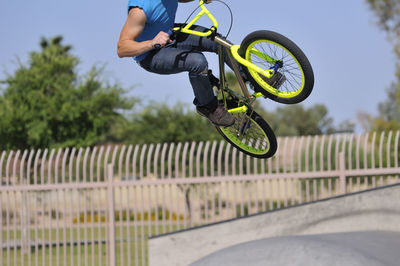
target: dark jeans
<point>185,55</point>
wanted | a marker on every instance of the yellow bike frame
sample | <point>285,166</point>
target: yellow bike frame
<point>233,48</point>
<point>203,11</point>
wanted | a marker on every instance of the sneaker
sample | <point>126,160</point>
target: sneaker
<point>216,113</point>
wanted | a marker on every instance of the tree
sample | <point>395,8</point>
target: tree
<point>296,120</point>
<point>388,19</point>
<point>388,15</point>
<point>45,103</point>
<point>159,123</point>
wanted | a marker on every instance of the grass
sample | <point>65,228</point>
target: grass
<point>130,245</point>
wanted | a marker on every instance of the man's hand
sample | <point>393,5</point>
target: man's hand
<point>162,38</point>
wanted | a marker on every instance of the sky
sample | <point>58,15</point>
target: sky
<point>352,59</point>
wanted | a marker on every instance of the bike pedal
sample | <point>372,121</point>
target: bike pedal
<point>213,79</point>
<point>275,81</point>
<point>279,81</point>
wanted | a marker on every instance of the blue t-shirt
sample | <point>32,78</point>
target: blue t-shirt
<point>160,16</point>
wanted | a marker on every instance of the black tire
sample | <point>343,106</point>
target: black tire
<point>296,67</point>
<point>259,140</point>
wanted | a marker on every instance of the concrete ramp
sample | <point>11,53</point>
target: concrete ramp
<point>373,248</point>
<point>371,211</point>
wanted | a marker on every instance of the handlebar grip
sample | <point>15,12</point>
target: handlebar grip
<point>158,46</point>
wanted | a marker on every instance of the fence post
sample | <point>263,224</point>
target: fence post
<point>111,214</point>
<point>342,171</point>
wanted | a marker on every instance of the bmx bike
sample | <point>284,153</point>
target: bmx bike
<point>274,68</point>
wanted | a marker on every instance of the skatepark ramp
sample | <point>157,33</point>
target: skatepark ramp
<point>355,229</point>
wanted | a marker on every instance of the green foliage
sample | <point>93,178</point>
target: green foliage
<point>159,123</point>
<point>46,104</point>
<point>297,120</point>
<point>389,110</point>
<point>387,13</point>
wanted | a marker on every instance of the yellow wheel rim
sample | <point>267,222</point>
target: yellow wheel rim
<point>292,69</point>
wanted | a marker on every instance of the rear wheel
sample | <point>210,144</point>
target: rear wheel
<point>250,134</point>
<point>293,80</point>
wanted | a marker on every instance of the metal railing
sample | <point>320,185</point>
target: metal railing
<point>98,206</point>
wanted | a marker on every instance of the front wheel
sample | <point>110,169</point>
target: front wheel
<point>251,135</point>
<point>293,80</point>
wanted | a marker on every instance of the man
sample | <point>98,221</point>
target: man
<point>145,29</point>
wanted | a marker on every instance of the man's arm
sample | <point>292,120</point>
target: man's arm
<point>133,27</point>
